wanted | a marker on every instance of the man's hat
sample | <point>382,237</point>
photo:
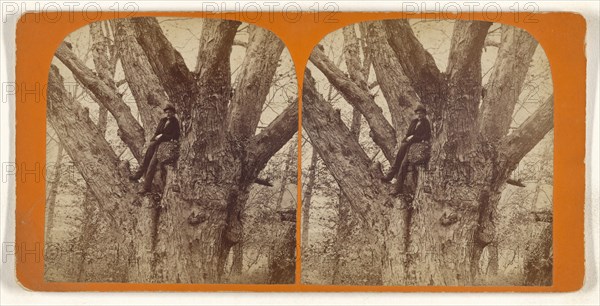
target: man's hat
<point>169,106</point>
<point>421,108</point>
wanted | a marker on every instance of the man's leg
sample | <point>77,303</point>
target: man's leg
<point>397,162</point>
<point>146,162</point>
<point>150,174</point>
<point>402,174</point>
<point>399,184</point>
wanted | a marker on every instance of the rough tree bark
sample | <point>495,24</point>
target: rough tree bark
<point>539,256</point>
<point>307,198</point>
<point>282,261</point>
<point>359,182</point>
<point>441,240</point>
<point>51,200</point>
<point>100,167</point>
<point>220,155</point>
<point>350,253</point>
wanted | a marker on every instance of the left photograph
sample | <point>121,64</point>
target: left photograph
<point>171,154</point>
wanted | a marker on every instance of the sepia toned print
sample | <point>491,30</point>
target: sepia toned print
<point>175,151</point>
<point>429,158</point>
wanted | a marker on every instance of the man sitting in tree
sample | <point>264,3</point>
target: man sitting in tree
<point>167,130</point>
<point>419,130</point>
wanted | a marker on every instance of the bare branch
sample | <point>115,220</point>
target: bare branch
<point>131,131</point>
<point>383,133</point>
<point>208,108</point>
<point>464,61</point>
<point>357,73</point>
<point>166,62</point>
<point>146,88</point>
<point>100,54</point>
<point>518,143</point>
<point>461,104</point>
<point>345,159</point>
<point>264,145</point>
<point>506,82</point>
<point>397,89</point>
<point>417,64</point>
<point>352,57</point>
<point>88,149</point>
<point>254,82</point>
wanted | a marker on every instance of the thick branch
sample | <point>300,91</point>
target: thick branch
<point>146,88</point>
<point>357,74</point>
<point>382,132</point>
<point>352,58</point>
<point>492,43</point>
<point>461,105</point>
<point>91,153</point>
<point>464,60</point>
<point>213,73</point>
<point>100,54</point>
<point>167,63</point>
<point>131,131</point>
<point>216,35</point>
<point>344,157</point>
<point>518,143</point>
<point>254,82</point>
<point>396,87</point>
<point>263,181</point>
<point>105,67</point>
<point>506,82</point>
<point>418,65</point>
<point>105,177</point>
<point>265,144</point>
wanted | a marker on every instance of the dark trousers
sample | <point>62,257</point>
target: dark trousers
<point>400,167</point>
<point>148,166</point>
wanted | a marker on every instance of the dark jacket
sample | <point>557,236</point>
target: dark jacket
<point>169,131</point>
<point>420,132</point>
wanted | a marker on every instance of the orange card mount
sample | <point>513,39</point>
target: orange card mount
<point>493,203</point>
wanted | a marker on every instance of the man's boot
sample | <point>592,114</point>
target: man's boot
<point>137,175</point>
<point>388,177</point>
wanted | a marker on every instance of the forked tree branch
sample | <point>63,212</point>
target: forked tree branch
<point>265,144</point>
<point>167,64</point>
<point>146,88</point>
<point>345,159</point>
<point>253,82</point>
<point>506,82</point>
<point>132,132</point>
<point>91,153</point>
<point>418,64</point>
<point>515,145</point>
<point>397,89</point>
<point>382,132</point>
<point>461,104</point>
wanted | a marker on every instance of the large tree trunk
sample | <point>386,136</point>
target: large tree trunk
<point>185,234</point>
<point>359,181</point>
<point>100,167</point>
<point>51,199</point>
<point>440,240</point>
<point>282,259</point>
<point>539,257</point>
<point>307,199</point>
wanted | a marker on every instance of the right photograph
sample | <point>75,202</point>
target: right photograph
<point>427,156</point>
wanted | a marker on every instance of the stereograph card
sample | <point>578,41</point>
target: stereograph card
<point>195,151</point>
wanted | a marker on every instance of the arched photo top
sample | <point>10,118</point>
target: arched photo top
<point>175,128</point>
<point>437,136</point>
